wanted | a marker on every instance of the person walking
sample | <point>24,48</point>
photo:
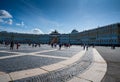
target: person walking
<point>17,46</point>
<point>87,47</point>
<point>84,47</point>
<point>60,45</point>
<point>11,45</point>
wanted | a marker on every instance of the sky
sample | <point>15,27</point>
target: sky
<point>44,16</point>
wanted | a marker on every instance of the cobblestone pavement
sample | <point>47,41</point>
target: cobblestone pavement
<point>65,52</point>
<point>112,57</point>
<point>5,54</point>
<point>64,74</point>
<point>25,62</point>
<point>27,58</point>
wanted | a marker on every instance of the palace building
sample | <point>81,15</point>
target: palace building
<point>105,36</point>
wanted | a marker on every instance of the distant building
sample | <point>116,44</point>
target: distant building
<point>105,36</point>
<point>54,37</point>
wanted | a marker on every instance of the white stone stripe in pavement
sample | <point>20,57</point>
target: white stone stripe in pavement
<point>48,56</point>
<point>95,73</point>
<point>44,51</point>
<point>27,53</point>
<point>9,51</point>
<point>5,57</point>
<point>23,54</point>
<point>64,63</point>
<point>45,69</point>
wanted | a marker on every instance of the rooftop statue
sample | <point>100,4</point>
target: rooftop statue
<point>55,32</point>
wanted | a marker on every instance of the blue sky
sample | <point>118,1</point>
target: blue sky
<point>44,16</point>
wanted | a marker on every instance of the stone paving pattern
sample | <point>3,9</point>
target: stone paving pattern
<point>64,74</point>
<point>5,54</point>
<point>65,52</point>
<point>25,62</point>
<point>29,61</point>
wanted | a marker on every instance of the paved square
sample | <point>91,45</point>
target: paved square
<point>28,57</point>
<point>25,62</point>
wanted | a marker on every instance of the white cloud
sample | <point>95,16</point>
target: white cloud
<point>10,21</point>
<point>37,31</point>
<point>20,24</point>
<point>5,14</point>
<point>51,30</point>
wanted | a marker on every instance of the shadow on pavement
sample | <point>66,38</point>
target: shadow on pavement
<point>112,57</point>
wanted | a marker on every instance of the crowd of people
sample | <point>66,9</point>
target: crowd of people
<point>12,45</point>
<point>16,45</point>
<point>60,45</point>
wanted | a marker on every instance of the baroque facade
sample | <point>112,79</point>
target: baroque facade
<point>106,35</point>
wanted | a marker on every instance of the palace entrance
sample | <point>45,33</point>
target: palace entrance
<point>54,37</point>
